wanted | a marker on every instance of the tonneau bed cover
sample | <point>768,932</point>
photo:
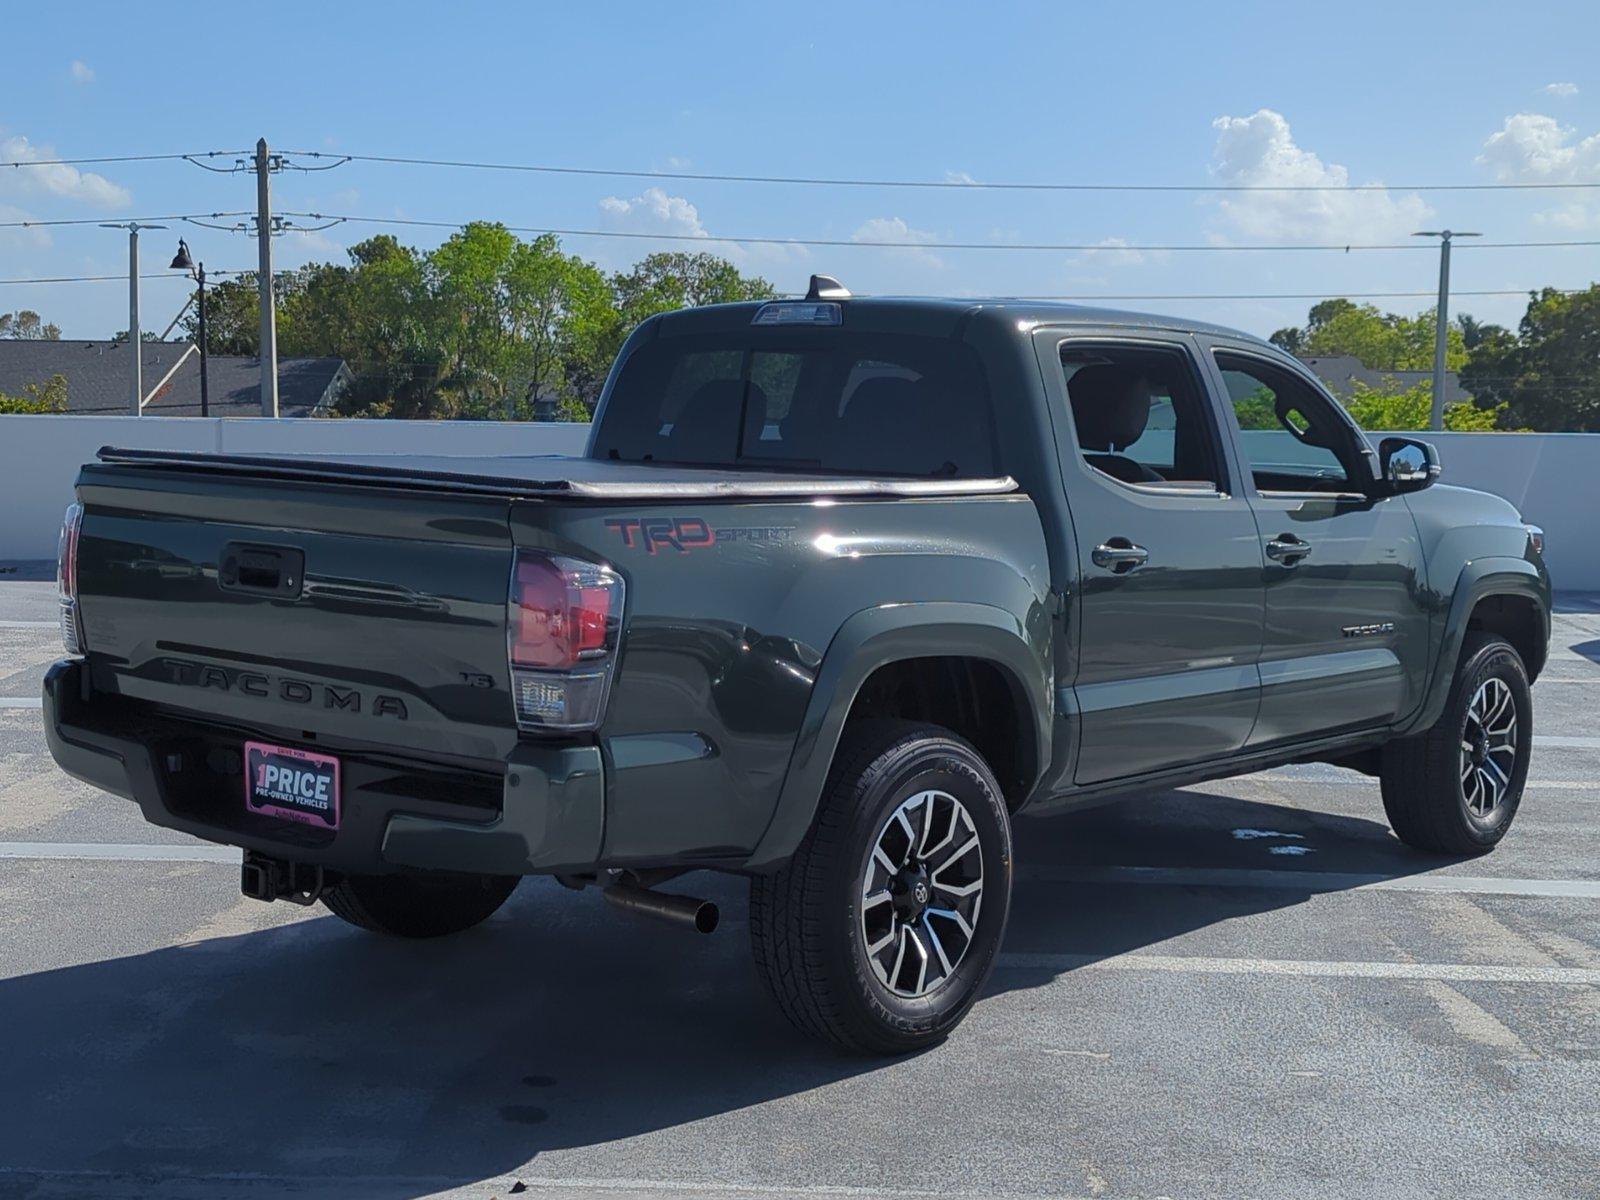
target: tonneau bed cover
<point>550,476</point>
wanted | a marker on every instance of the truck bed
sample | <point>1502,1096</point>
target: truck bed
<point>552,476</point>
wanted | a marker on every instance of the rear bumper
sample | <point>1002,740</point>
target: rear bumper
<point>549,816</point>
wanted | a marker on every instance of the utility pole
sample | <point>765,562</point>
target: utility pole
<point>269,322</point>
<point>136,382</point>
<point>1441,337</point>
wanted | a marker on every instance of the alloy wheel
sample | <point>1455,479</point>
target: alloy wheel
<point>921,892</point>
<point>1488,747</point>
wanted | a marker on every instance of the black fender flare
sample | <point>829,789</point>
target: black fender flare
<point>874,638</point>
<point>1479,579</point>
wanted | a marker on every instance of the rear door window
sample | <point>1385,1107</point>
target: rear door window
<point>804,400</point>
<point>1141,416</point>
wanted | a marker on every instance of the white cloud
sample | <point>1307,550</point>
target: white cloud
<point>1534,148</point>
<point>959,177</point>
<point>1564,90</point>
<point>655,211</point>
<point>64,182</point>
<point>81,71</point>
<point>1259,150</point>
<point>1111,252</point>
<point>897,229</point>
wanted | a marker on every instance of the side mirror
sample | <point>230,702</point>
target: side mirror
<point>1406,465</point>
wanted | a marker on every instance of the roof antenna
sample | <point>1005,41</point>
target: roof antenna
<point>826,287</point>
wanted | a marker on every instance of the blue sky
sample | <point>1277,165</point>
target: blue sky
<point>1181,93</point>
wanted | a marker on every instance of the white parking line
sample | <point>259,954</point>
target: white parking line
<point>30,624</point>
<point>21,702</point>
<point>121,852</point>
<point>1302,968</point>
<point>1314,881</point>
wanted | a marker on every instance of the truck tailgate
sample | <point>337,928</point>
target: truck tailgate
<point>392,636</point>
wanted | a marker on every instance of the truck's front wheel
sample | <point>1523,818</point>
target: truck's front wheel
<point>418,904</point>
<point>1456,788</point>
<point>881,930</point>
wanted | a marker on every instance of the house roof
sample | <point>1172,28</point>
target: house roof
<point>1341,372</point>
<point>97,378</point>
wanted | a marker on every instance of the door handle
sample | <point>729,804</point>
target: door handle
<point>1119,556</point>
<point>1287,549</point>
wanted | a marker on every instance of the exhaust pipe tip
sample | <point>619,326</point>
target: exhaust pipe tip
<point>706,917</point>
<point>700,915</point>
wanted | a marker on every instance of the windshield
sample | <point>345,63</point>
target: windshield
<point>804,400</point>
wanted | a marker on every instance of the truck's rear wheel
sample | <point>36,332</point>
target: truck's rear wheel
<point>418,904</point>
<point>881,930</point>
<point>1456,788</point>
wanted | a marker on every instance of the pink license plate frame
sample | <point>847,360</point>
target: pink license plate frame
<point>292,784</point>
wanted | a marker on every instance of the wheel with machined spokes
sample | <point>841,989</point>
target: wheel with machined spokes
<point>1488,748</point>
<point>881,930</point>
<point>1455,788</point>
<point>921,893</point>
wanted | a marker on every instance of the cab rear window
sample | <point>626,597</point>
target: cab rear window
<point>805,400</point>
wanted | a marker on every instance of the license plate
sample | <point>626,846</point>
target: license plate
<point>296,785</point>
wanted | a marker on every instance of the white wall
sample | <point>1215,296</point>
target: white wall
<point>40,455</point>
<point>1553,478</point>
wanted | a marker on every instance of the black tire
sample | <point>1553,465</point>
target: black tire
<point>418,904</point>
<point>1428,803</point>
<point>808,922</point>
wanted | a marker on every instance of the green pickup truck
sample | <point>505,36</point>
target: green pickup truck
<point>840,586</point>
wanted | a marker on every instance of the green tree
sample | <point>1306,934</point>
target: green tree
<point>511,313</point>
<point>376,313</point>
<point>47,397</point>
<point>1384,341</point>
<point>487,325</point>
<point>1412,408</point>
<point>1547,377</point>
<point>233,317</point>
<point>25,325</point>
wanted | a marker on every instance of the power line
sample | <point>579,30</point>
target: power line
<point>959,184</point>
<point>116,158</point>
<point>879,243</point>
<point>32,224</point>
<point>122,278</point>
<point>942,184</point>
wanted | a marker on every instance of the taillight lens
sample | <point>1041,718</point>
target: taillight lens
<point>563,622</point>
<point>67,579</point>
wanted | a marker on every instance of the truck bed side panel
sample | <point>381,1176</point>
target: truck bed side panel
<point>730,611</point>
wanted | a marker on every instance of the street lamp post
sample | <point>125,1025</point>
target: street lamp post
<point>182,262</point>
<point>135,342</point>
<point>1441,336</point>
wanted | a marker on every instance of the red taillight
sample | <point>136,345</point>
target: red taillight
<point>67,579</point>
<point>563,622</point>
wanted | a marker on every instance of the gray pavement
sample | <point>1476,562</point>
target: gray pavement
<point>1242,989</point>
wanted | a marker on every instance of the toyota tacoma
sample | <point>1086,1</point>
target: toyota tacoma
<point>840,587</point>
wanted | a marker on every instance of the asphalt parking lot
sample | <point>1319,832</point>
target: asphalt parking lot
<point>1245,989</point>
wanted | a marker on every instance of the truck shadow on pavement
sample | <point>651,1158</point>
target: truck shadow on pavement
<point>308,1051</point>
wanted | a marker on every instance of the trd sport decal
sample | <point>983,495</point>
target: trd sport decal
<point>677,533</point>
<point>684,534</point>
